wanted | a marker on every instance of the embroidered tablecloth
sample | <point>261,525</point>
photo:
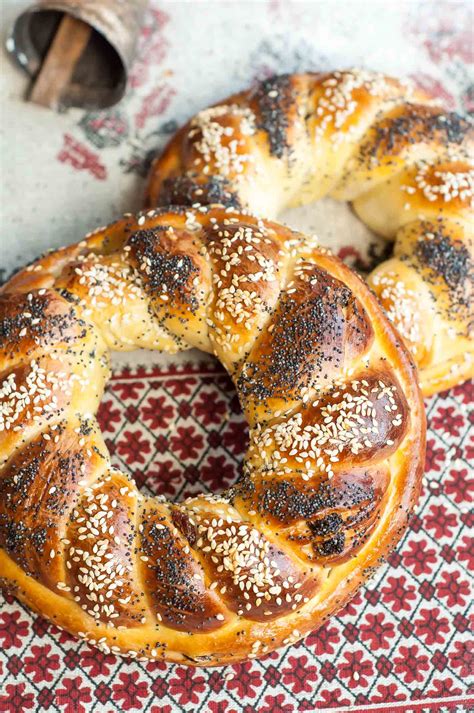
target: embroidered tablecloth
<point>403,643</point>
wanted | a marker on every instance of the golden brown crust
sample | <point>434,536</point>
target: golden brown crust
<point>175,580</point>
<point>405,163</point>
<point>330,478</point>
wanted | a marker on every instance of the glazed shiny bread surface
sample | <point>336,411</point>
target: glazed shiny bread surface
<point>403,161</point>
<point>334,462</point>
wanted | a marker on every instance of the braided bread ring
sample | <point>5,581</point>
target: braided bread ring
<point>330,478</point>
<point>405,164</point>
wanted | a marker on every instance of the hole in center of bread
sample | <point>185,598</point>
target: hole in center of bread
<point>175,426</point>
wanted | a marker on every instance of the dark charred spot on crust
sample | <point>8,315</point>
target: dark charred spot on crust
<point>185,190</point>
<point>275,97</point>
<point>176,271</point>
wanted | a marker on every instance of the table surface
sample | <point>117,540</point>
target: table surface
<point>403,643</point>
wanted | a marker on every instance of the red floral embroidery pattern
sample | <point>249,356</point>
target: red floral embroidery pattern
<point>420,557</point>
<point>154,103</point>
<point>435,455</point>
<point>411,664</point>
<point>133,447</point>
<point>404,637</point>
<point>377,631</point>
<point>459,484</point>
<point>448,420</point>
<point>300,675</point>
<point>431,627</point>
<point>130,690</point>
<point>16,699</point>
<point>81,158</point>
<point>12,629</point>
<point>41,664</point>
<point>73,697</point>
<point>357,669</point>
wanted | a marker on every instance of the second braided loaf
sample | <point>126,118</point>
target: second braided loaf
<point>404,163</point>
